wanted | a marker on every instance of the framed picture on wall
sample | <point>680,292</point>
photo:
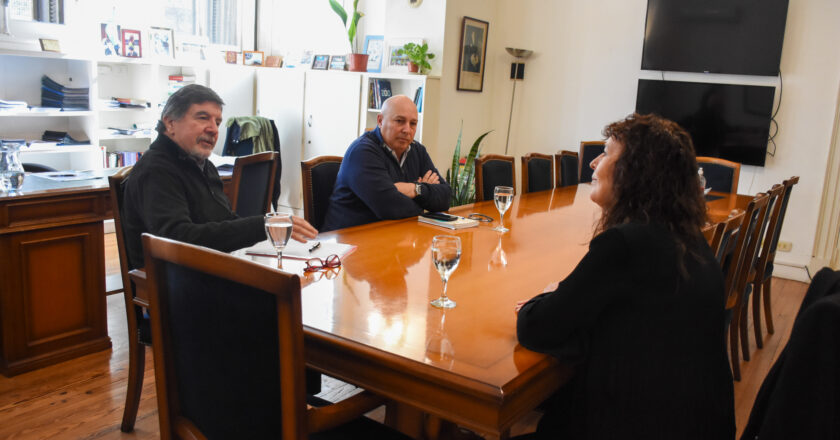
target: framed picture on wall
<point>253,58</point>
<point>162,43</point>
<point>472,57</point>
<point>110,39</point>
<point>375,49</point>
<point>131,43</point>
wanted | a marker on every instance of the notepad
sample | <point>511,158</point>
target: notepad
<point>460,223</point>
<point>300,251</point>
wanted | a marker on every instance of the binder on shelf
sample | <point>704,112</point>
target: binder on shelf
<point>56,95</point>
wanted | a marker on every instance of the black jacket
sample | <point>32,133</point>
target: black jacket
<point>649,345</point>
<point>800,397</point>
<point>168,195</point>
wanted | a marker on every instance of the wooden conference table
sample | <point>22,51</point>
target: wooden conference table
<point>372,325</point>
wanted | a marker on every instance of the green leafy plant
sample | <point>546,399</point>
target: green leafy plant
<point>417,54</point>
<point>354,21</point>
<point>461,179</point>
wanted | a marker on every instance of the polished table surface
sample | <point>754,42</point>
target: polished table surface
<point>372,324</point>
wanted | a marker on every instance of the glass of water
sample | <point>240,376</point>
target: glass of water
<point>446,254</point>
<point>503,196</point>
<point>278,228</point>
<point>11,169</point>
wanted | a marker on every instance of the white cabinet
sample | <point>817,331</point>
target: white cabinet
<point>331,112</point>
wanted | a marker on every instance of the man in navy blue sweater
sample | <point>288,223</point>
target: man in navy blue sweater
<point>385,174</point>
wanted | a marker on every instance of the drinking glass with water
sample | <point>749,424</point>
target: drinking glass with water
<point>278,229</point>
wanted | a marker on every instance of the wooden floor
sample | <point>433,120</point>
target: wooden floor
<point>83,398</point>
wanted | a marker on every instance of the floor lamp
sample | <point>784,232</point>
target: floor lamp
<point>517,72</point>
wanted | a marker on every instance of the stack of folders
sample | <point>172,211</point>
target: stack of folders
<point>56,95</point>
<point>446,220</point>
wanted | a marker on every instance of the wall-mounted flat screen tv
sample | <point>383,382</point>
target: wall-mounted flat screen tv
<point>728,121</point>
<point>742,37</point>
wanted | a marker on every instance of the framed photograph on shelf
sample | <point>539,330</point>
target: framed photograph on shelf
<point>320,62</point>
<point>337,62</point>
<point>131,43</point>
<point>253,58</point>
<point>231,57</point>
<point>398,63</point>
<point>48,45</point>
<point>472,56</point>
<point>375,49</point>
<point>110,39</point>
<point>274,61</point>
<point>162,43</point>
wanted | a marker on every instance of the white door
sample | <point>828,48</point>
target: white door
<point>331,112</point>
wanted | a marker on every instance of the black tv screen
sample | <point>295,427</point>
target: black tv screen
<point>727,121</point>
<point>742,37</point>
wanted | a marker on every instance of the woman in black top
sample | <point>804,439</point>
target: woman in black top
<point>643,312</point>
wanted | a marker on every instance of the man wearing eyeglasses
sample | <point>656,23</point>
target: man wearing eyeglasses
<point>385,174</point>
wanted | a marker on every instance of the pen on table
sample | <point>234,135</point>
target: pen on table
<point>315,246</point>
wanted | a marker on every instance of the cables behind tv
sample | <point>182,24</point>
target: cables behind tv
<point>773,121</point>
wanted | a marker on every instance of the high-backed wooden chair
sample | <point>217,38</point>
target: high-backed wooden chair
<point>738,271</point>
<point>726,235</point>
<point>764,268</point>
<point>229,355</point>
<point>139,334</point>
<point>492,170</point>
<point>253,183</point>
<point>537,172</point>
<point>566,168</point>
<point>721,175</point>
<point>318,175</point>
<point>589,150</point>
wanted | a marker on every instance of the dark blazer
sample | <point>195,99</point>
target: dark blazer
<point>649,343</point>
<point>800,397</point>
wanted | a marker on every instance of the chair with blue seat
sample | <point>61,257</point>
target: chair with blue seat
<point>589,150</point>
<point>318,175</point>
<point>762,281</point>
<point>255,178</point>
<point>537,172</point>
<point>492,170</point>
<point>229,351</point>
<point>566,168</point>
<point>721,174</point>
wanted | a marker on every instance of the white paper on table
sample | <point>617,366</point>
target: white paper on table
<point>300,251</point>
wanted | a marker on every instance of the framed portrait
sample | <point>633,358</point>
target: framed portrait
<point>320,62</point>
<point>110,39</point>
<point>375,49</point>
<point>131,43</point>
<point>253,58</point>
<point>472,57</point>
<point>231,57</point>
<point>398,63</point>
<point>162,43</point>
<point>337,62</point>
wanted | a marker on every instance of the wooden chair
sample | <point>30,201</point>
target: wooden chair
<point>492,170</point>
<point>738,271</point>
<point>589,150</point>
<point>318,174</point>
<point>566,168</point>
<point>721,175</point>
<point>726,236</point>
<point>537,173</point>
<point>764,268</point>
<point>253,183</point>
<point>229,354</point>
<point>139,334</point>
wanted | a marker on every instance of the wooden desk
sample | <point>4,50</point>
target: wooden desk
<point>52,272</point>
<point>372,325</point>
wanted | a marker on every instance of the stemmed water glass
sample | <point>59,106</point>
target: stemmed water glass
<point>278,228</point>
<point>446,254</point>
<point>503,196</point>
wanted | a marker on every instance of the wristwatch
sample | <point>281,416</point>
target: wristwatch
<point>418,189</point>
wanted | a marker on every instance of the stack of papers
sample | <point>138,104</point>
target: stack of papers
<point>303,251</point>
<point>56,95</point>
<point>13,106</point>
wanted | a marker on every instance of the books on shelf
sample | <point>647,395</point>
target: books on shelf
<point>176,82</point>
<point>122,158</point>
<point>56,95</point>
<point>378,92</point>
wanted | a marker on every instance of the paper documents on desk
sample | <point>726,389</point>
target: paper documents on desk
<point>67,176</point>
<point>301,251</point>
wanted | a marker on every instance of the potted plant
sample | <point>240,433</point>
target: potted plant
<point>418,57</point>
<point>357,61</point>
<point>460,177</point>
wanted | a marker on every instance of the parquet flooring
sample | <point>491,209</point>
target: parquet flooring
<point>83,398</point>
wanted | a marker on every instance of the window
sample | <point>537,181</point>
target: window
<point>217,20</point>
<point>48,11</point>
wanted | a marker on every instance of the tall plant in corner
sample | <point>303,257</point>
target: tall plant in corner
<point>461,180</point>
<point>354,21</point>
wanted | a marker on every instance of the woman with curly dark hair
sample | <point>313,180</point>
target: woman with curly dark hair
<point>642,314</point>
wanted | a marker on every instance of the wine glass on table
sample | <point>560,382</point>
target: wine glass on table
<point>446,254</point>
<point>278,228</point>
<point>503,196</point>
